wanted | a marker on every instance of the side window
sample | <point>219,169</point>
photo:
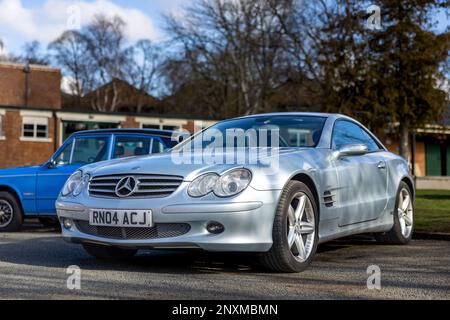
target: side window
<point>158,147</point>
<point>131,146</point>
<point>90,150</point>
<point>64,157</point>
<point>346,132</point>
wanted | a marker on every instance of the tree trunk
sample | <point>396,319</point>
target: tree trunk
<point>404,146</point>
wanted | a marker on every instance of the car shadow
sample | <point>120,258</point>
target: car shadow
<point>43,247</point>
<point>34,226</point>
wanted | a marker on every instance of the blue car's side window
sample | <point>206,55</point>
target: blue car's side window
<point>128,146</point>
<point>89,150</point>
<point>158,147</point>
<point>63,157</point>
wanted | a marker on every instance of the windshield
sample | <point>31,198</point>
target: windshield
<point>261,131</point>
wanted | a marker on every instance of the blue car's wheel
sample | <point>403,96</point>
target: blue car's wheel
<point>11,217</point>
<point>295,230</point>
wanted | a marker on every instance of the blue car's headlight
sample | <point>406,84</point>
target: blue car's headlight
<point>227,185</point>
<point>75,184</point>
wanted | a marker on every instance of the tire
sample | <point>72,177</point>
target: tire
<point>109,253</point>
<point>402,231</point>
<point>288,229</point>
<point>11,216</point>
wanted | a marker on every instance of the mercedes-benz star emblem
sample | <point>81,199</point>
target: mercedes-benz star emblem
<point>126,187</point>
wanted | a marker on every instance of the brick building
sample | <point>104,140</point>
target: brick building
<point>33,124</point>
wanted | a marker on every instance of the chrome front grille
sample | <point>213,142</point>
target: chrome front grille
<point>159,231</point>
<point>148,186</point>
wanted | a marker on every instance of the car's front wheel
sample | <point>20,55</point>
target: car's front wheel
<point>295,230</point>
<point>11,217</point>
<point>109,253</point>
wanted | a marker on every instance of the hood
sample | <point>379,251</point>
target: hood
<point>190,167</point>
<point>29,170</point>
<point>162,164</point>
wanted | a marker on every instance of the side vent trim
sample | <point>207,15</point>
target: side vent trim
<point>328,199</point>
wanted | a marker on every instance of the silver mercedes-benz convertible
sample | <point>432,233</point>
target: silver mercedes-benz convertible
<point>272,184</point>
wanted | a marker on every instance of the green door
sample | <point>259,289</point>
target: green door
<point>433,159</point>
<point>448,160</point>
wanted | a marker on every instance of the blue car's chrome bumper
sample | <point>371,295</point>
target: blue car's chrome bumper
<point>248,224</point>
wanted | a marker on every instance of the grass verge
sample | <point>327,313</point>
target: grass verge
<point>432,211</point>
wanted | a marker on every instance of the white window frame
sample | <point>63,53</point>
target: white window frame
<point>161,122</point>
<point>35,121</point>
<point>2,133</point>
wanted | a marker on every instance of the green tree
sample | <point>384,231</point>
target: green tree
<point>409,65</point>
<point>343,60</point>
<point>390,78</point>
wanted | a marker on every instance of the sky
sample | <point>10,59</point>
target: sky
<point>23,21</point>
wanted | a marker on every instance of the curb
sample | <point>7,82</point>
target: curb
<point>431,236</point>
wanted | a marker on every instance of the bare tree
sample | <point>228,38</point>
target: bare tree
<point>2,47</point>
<point>94,57</point>
<point>105,42</point>
<point>33,54</point>
<point>141,69</point>
<point>234,46</point>
<point>70,52</point>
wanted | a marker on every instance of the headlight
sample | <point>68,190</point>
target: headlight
<point>80,187</point>
<point>233,182</point>
<point>203,185</point>
<point>230,184</point>
<point>75,184</point>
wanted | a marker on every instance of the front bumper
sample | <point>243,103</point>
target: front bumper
<point>247,218</point>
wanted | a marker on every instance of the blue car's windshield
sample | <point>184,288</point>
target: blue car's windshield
<point>262,131</point>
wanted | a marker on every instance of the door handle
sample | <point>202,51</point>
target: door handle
<point>382,165</point>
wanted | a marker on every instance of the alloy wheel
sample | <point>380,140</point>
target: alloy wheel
<point>405,212</point>
<point>6,213</point>
<point>301,227</point>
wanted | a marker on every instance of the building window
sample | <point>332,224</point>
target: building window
<point>151,126</point>
<point>161,127</point>
<point>35,128</point>
<point>70,127</point>
<point>172,128</point>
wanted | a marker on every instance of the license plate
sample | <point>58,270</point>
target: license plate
<point>121,218</point>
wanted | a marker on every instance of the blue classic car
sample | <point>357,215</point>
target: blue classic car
<point>32,191</point>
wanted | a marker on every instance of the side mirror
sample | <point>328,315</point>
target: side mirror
<point>351,150</point>
<point>51,164</point>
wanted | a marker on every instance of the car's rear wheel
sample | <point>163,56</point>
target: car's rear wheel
<point>295,230</point>
<point>109,253</point>
<point>401,232</point>
<point>11,216</point>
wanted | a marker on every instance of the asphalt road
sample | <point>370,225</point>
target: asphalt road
<point>33,266</point>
